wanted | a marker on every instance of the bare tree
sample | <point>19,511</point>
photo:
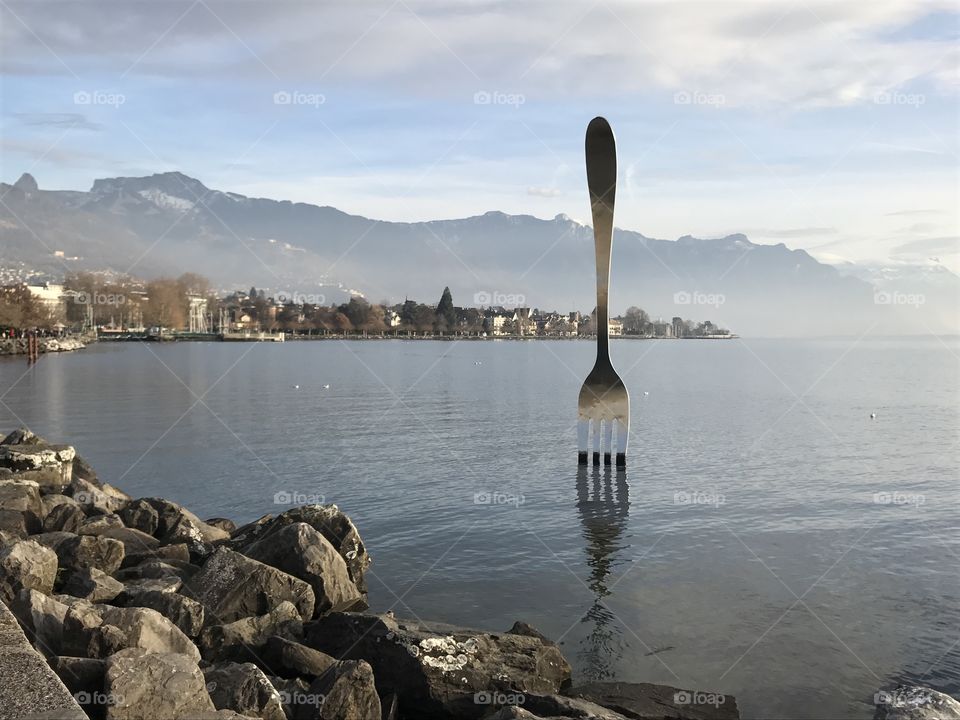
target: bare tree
<point>635,321</point>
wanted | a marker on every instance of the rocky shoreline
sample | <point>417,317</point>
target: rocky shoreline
<point>145,612</point>
<point>18,346</point>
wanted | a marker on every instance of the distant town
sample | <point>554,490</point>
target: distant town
<point>188,308</point>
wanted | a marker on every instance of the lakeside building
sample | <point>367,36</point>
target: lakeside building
<point>495,321</point>
<point>554,324</point>
<point>523,323</point>
<point>239,319</point>
<point>123,306</point>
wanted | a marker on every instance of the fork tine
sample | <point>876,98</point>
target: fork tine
<point>597,438</point>
<point>607,440</point>
<point>583,441</point>
<point>623,436</point>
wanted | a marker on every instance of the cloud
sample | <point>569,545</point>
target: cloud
<point>892,148</point>
<point>928,211</point>
<point>792,232</point>
<point>38,150</point>
<point>752,54</point>
<point>944,245</point>
<point>401,80</point>
<point>58,120</point>
<point>923,228</point>
<point>546,192</point>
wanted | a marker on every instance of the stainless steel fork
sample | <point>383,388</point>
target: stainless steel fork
<point>604,404</point>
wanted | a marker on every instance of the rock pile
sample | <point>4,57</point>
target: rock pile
<point>18,346</point>
<point>146,611</point>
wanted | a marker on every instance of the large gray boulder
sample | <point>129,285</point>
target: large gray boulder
<point>99,499</point>
<point>22,436</point>
<point>559,706</point>
<point>92,584</point>
<point>154,686</point>
<point>41,618</point>
<point>186,614</point>
<point>231,586</point>
<point>167,511</point>
<point>646,700</point>
<point>82,470</point>
<point>197,535</point>
<point>347,691</point>
<point>26,564</point>
<point>13,523</point>
<point>96,641</point>
<point>243,688</point>
<point>165,583</point>
<point>290,659</point>
<point>53,538</point>
<point>179,552</point>
<point>50,466</point>
<point>52,502</point>
<point>85,634</point>
<point>436,670</point>
<point>176,524</point>
<point>98,524</point>
<point>242,639</point>
<point>22,496</point>
<point>225,524</point>
<point>140,515</point>
<point>329,521</point>
<point>133,540</point>
<point>149,630</point>
<point>85,551</point>
<point>154,567</point>
<point>64,517</point>
<point>300,550</point>
<point>915,702</point>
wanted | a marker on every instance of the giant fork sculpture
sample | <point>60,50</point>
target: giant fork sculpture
<point>603,403</point>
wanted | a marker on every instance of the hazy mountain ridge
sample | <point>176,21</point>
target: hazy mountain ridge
<point>170,223</point>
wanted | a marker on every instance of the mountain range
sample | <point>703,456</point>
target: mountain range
<point>170,223</point>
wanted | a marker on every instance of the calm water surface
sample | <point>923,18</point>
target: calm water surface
<point>768,540</point>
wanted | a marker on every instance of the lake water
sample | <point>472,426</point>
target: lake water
<point>769,539</point>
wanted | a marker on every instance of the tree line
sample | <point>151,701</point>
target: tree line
<point>91,299</point>
<point>358,314</point>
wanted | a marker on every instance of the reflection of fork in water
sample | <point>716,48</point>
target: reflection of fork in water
<point>603,503</point>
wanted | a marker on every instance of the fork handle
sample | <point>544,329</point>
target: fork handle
<point>601,155</point>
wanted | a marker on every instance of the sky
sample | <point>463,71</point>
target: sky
<point>827,126</point>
